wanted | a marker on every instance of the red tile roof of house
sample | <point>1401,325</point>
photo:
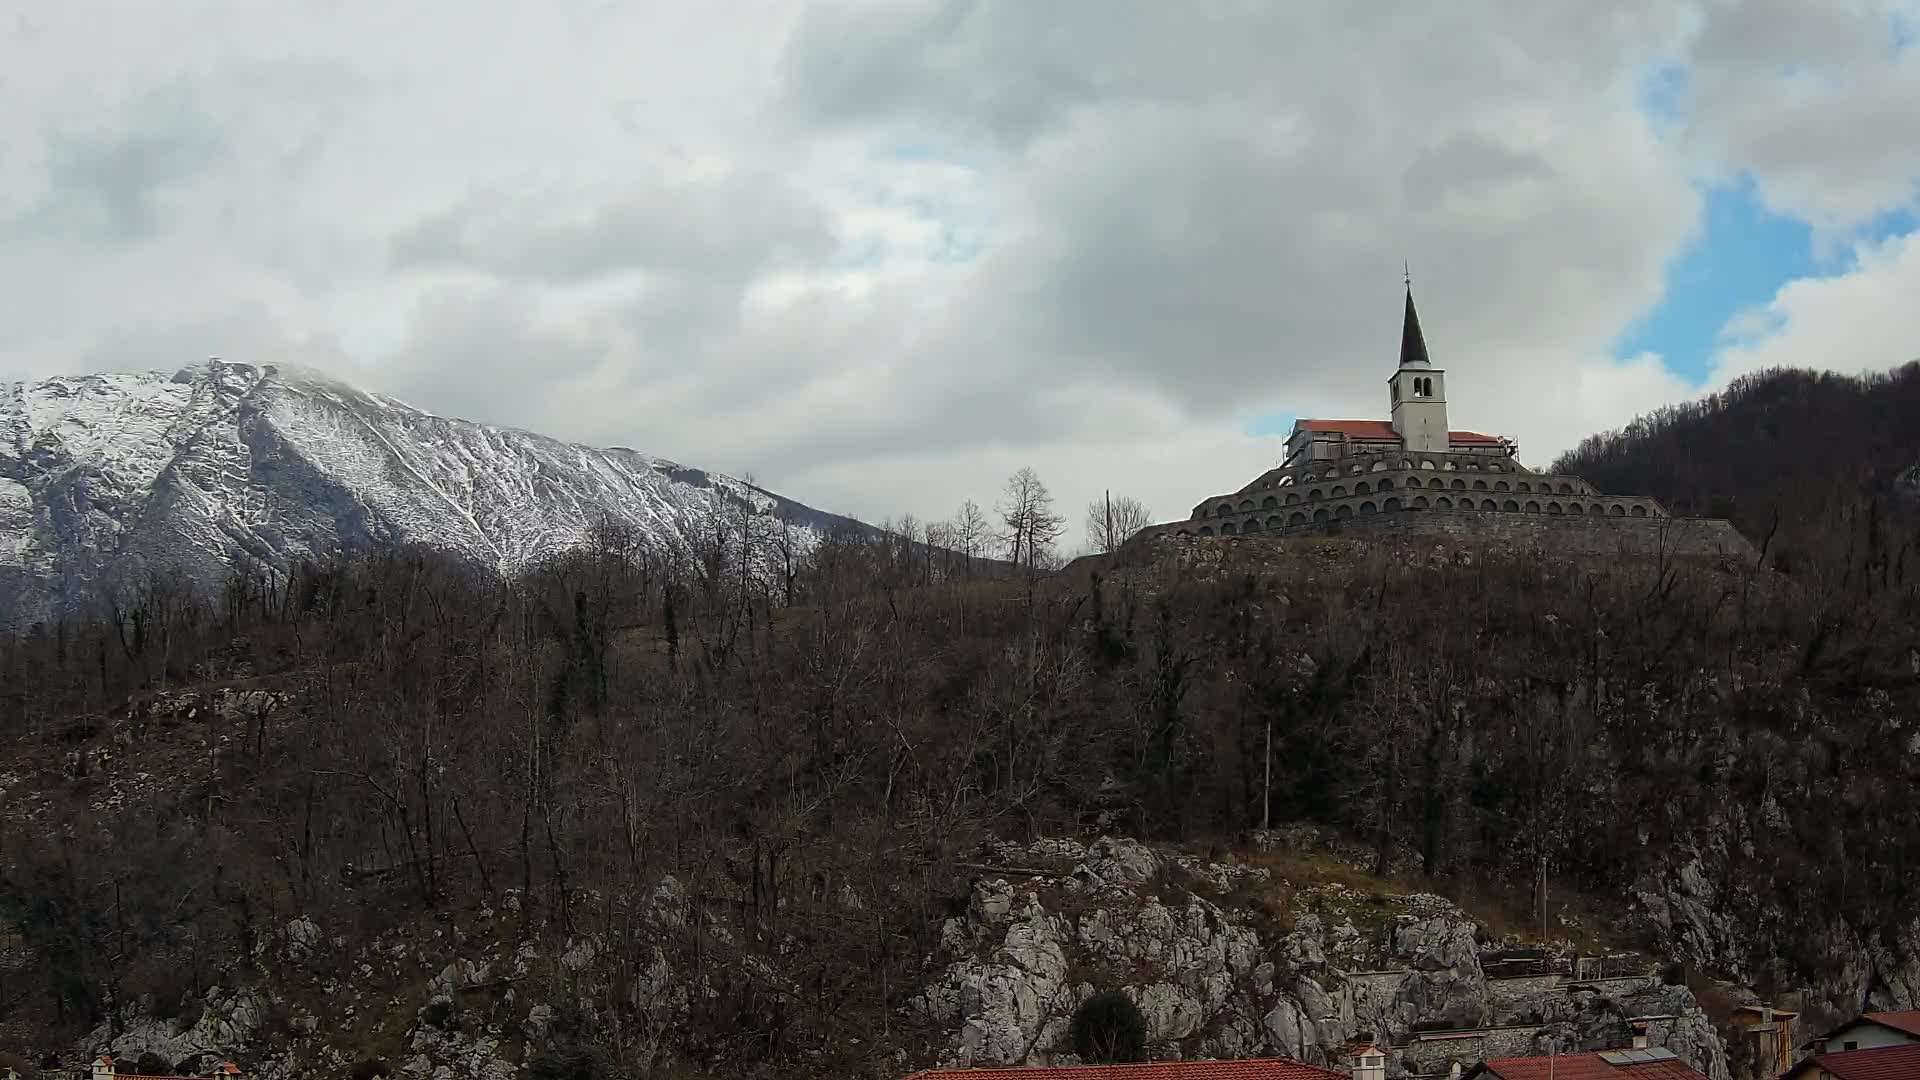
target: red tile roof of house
<point>1382,431</point>
<point>1882,1063</point>
<point>1908,1021</point>
<point>1587,1067</point>
<point>1270,1069</point>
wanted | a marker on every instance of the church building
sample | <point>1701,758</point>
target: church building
<point>1411,472</point>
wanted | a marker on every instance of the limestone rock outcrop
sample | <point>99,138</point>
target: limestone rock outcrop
<point>1220,981</point>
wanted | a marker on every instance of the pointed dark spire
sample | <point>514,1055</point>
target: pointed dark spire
<point>1413,344</point>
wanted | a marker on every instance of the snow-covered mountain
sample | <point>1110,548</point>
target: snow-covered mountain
<point>106,478</point>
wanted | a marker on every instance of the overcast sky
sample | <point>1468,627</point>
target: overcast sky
<point>879,254</point>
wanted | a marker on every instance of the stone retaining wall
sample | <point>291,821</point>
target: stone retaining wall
<point>1581,536</point>
<point>1584,536</point>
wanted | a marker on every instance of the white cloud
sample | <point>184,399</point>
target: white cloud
<point>1862,319</point>
<point>879,254</point>
<point>1815,101</point>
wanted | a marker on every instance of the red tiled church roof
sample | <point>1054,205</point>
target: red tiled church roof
<point>1382,431</point>
<point>1882,1063</point>
<point>1354,429</point>
<point>1587,1067</point>
<point>1271,1069</point>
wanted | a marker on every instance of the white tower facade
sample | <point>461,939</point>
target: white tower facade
<point>1419,391</point>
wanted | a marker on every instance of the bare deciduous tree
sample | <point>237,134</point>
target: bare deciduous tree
<point>969,532</point>
<point>1031,526</point>
<point>1113,519</point>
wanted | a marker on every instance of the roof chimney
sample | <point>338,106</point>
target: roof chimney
<point>1366,1061</point>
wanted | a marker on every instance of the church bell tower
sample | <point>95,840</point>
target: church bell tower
<point>1419,390</point>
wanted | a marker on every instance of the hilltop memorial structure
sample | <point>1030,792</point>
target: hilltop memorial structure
<point>1414,474</point>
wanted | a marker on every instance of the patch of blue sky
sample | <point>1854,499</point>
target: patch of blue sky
<point>1265,424</point>
<point>1738,260</point>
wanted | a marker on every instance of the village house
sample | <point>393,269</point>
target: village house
<point>1871,1031</point>
<point>1653,1063</point>
<point>1896,1062</point>
<point>1262,1069</point>
<point>1770,1035</point>
<point>105,1069</point>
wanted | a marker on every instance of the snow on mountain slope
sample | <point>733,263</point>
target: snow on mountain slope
<point>106,478</point>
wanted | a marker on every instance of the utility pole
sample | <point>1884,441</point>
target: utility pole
<point>1266,792</point>
<point>1540,897</point>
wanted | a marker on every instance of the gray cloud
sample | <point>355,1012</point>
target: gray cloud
<point>878,254</point>
<point>111,180</point>
<point>725,228</point>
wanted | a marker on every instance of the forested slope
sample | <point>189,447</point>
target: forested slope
<point>1802,452</point>
<point>392,738</point>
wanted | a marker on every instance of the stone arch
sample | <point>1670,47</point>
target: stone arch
<point>1269,503</point>
<point>1487,504</point>
<point>1575,508</point>
<point>1596,510</point>
<point>1533,507</point>
<point>1343,511</point>
<point>1413,481</point>
<point>1246,504</point>
<point>1419,502</point>
<point>1292,497</point>
<point>1390,505</point>
<point>1206,530</point>
<point>1501,485</point>
<point>1464,504</point>
<point>1274,524</point>
<point>1320,514</point>
<point>1379,466</point>
<point>1361,488</point>
<point>1368,507</point>
<point>1427,464</point>
<point>1356,469</point>
<point>1316,494</point>
<point>1479,485</point>
<point>1252,526</point>
<point>1616,510</point>
<point>1442,503</point>
<point>1285,481</point>
<point>1566,489</point>
<point>1449,466</point>
<point>1385,484</point>
<point>1298,517</point>
<point>1639,511</point>
<point>1509,506</point>
<point>1555,508</point>
<point>1459,484</point>
<point>1339,491</point>
<point>1524,486</point>
<point>1406,463</point>
<point>1227,528</point>
<point>1223,509</point>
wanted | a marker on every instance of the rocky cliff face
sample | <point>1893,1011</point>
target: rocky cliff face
<point>1706,915</point>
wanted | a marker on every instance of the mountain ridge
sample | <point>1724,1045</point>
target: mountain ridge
<point>107,478</point>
